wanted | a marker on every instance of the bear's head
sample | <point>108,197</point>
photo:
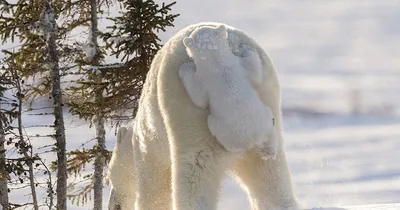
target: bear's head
<point>205,41</point>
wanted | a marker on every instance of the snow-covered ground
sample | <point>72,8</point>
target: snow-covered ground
<point>340,76</point>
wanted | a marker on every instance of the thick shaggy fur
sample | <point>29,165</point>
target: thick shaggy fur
<point>179,165</point>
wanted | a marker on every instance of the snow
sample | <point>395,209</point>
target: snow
<point>394,206</point>
<point>44,26</point>
<point>118,40</point>
<point>89,49</point>
<point>90,67</point>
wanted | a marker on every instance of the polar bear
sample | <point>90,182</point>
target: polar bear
<point>223,81</point>
<point>179,164</point>
<point>121,172</point>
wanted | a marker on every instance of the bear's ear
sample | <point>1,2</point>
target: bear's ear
<point>121,134</point>
<point>221,31</point>
<point>188,42</point>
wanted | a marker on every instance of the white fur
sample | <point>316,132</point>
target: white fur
<point>179,165</point>
<point>238,118</point>
<point>251,61</point>
<point>121,172</point>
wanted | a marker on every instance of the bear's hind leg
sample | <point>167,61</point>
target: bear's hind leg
<point>268,182</point>
<point>196,178</point>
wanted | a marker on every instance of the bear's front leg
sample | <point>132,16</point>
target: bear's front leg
<point>192,84</point>
<point>251,61</point>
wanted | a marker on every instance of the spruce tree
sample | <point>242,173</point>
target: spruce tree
<point>133,40</point>
<point>89,83</point>
<point>104,93</point>
<point>33,23</point>
<point>99,121</point>
<point>109,92</point>
<point>48,22</point>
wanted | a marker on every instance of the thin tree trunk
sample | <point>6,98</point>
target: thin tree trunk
<point>23,143</point>
<point>3,172</point>
<point>49,187</point>
<point>99,165</point>
<point>57,105</point>
<point>99,161</point>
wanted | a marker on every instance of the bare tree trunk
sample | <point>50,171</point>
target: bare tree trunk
<point>57,105</point>
<point>22,142</point>
<point>99,161</point>
<point>3,172</point>
<point>99,165</point>
<point>49,187</point>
